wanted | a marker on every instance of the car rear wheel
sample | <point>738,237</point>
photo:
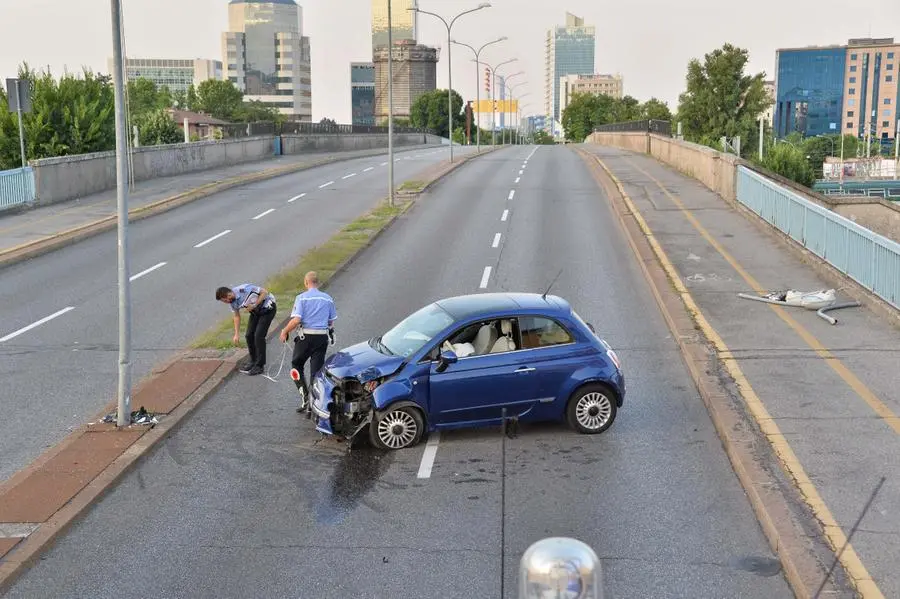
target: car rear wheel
<point>591,409</point>
<point>397,428</point>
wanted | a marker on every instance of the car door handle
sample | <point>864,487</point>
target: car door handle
<point>525,369</point>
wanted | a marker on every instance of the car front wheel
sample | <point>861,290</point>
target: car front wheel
<point>397,428</point>
<point>591,409</point>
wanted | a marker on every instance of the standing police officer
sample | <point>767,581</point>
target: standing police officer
<point>315,314</point>
<point>261,306</point>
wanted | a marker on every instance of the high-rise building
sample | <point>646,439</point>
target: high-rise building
<point>415,73</point>
<point>176,74</point>
<point>362,92</point>
<point>569,51</point>
<point>268,57</point>
<point>404,22</point>
<point>607,85</point>
<point>850,88</point>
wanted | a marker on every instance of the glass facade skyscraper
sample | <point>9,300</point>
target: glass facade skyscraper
<point>569,50</point>
<point>403,21</point>
<point>362,92</point>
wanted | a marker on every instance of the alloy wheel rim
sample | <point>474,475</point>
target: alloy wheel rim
<point>397,429</point>
<point>593,410</point>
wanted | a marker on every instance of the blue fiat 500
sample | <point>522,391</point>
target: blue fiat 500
<point>460,361</point>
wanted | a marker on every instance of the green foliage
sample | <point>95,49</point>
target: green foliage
<point>157,127</point>
<point>220,99</point>
<point>430,111</point>
<point>585,112</point>
<point>790,161</point>
<point>721,99</point>
<point>543,138</point>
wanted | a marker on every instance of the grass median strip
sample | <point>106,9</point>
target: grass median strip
<point>326,259</point>
<point>413,186</point>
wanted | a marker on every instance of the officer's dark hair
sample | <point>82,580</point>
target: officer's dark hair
<point>222,292</point>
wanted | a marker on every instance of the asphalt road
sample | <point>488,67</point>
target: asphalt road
<point>63,371</point>
<point>241,500</point>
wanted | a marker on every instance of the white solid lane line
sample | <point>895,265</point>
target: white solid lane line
<point>368,169</point>
<point>326,184</point>
<point>148,271</point>
<point>496,240</point>
<point>428,457</point>
<point>36,324</point>
<point>485,277</point>
<point>348,176</point>
<point>213,238</point>
<point>505,215</point>
<point>512,192</point>
<point>262,214</point>
<point>295,198</point>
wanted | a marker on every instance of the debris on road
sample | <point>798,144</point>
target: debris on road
<point>821,301</point>
<point>141,416</point>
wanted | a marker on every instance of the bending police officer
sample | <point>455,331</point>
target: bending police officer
<point>261,306</point>
<point>314,313</point>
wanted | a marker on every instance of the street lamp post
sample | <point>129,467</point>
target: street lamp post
<point>511,89</point>
<point>517,99</point>
<point>478,85</point>
<point>493,71</point>
<point>390,52</point>
<point>449,26</point>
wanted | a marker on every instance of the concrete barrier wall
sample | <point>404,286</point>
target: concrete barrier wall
<point>69,177</point>
<point>718,171</point>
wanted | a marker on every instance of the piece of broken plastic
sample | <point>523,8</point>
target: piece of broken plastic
<point>140,416</point>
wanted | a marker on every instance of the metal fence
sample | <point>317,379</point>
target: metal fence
<point>647,125</point>
<point>871,260</point>
<point>238,130</point>
<point>16,187</point>
<point>889,190</point>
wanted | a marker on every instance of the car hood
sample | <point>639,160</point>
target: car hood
<point>362,362</point>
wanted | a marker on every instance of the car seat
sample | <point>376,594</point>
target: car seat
<point>504,343</point>
<point>485,339</point>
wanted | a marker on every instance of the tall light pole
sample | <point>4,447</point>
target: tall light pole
<point>390,53</point>
<point>449,26</point>
<point>517,99</point>
<point>509,89</point>
<point>123,417</point>
<point>493,72</point>
<point>478,84</point>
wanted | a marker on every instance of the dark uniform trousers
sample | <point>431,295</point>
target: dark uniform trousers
<point>312,347</point>
<point>257,327</point>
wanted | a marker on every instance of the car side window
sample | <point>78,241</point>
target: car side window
<point>482,338</point>
<point>538,332</point>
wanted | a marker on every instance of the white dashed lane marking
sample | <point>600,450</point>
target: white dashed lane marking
<point>213,238</point>
<point>36,324</point>
<point>262,214</point>
<point>146,272</point>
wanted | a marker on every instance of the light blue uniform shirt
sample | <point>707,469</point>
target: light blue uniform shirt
<point>242,293</point>
<point>314,308</point>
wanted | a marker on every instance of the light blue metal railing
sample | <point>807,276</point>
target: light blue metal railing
<point>868,258</point>
<point>16,187</point>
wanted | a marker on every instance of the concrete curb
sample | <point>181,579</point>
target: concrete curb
<point>55,241</point>
<point>774,498</point>
<point>29,550</point>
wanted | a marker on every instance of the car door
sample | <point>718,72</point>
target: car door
<point>476,388</point>
<point>552,351</point>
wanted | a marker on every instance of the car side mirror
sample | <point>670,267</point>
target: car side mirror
<point>447,358</point>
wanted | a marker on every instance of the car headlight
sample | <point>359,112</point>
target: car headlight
<point>371,386</point>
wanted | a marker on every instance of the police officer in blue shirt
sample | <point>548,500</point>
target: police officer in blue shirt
<point>315,314</point>
<point>261,306</point>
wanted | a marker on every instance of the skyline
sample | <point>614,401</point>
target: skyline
<point>340,33</point>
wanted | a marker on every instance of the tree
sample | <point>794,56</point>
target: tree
<point>790,161</point>
<point>541,137</point>
<point>656,110</point>
<point>220,99</point>
<point>157,127</point>
<point>721,99</point>
<point>430,111</point>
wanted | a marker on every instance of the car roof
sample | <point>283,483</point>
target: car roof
<point>462,307</point>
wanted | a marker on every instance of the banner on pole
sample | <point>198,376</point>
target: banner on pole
<point>507,106</point>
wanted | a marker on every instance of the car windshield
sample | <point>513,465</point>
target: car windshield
<point>413,332</point>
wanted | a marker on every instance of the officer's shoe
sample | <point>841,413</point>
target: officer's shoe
<point>255,371</point>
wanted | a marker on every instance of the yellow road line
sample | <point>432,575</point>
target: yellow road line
<point>833,532</point>
<point>880,408</point>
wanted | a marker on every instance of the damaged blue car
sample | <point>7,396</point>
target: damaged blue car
<point>459,361</point>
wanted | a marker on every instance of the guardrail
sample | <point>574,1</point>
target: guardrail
<point>651,126</point>
<point>871,260</point>
<point>16,187</point>
<point>239,130</point>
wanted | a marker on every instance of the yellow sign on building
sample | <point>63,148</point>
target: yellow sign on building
<point>507,106</point>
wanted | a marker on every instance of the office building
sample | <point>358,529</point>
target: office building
<point>415,73</point>
<point>606,85</point>
<point>267,56</point>
<point>175,74</point>
<point>569,51</point>
<point>850,88</point>
<point>362,92</point>
<point>404,22</point>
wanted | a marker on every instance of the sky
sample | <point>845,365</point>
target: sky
<point>649,42</point>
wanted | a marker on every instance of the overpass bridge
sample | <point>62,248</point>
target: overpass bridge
<point>759,442</point>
